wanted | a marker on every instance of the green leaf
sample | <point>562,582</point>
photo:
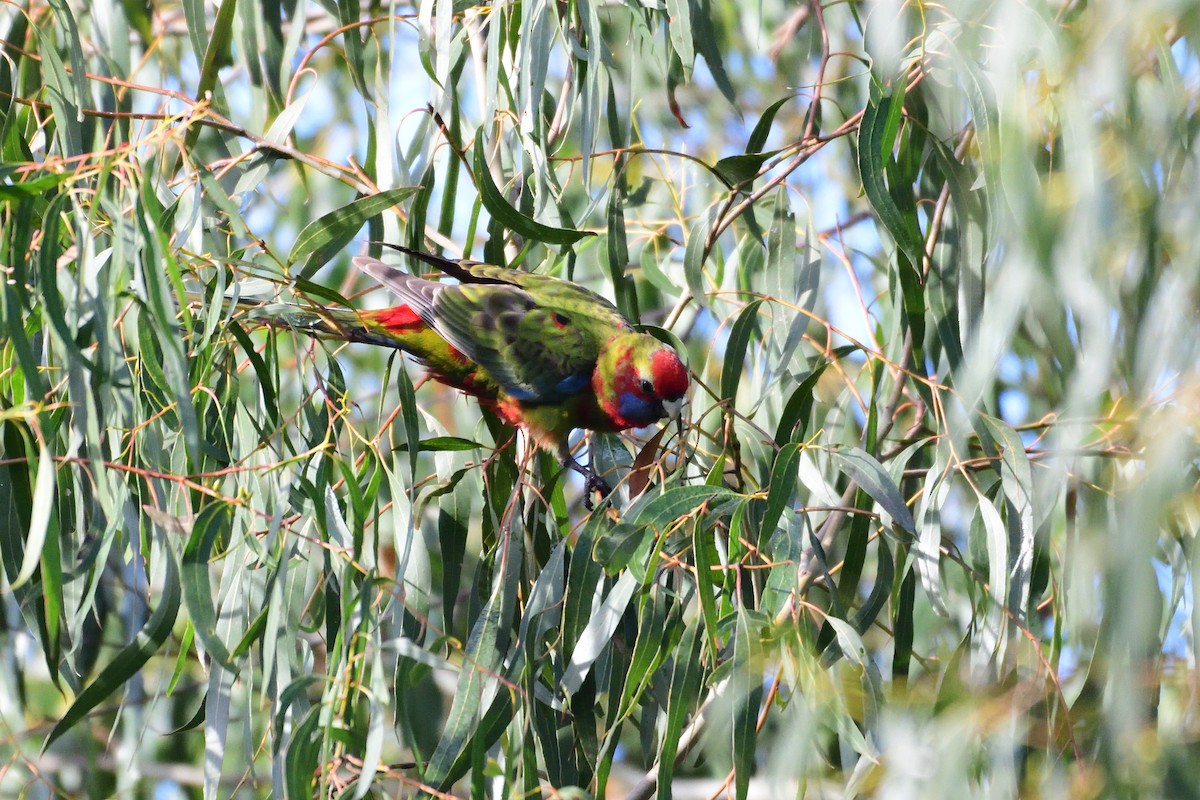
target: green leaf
<point>855,558</point>
<point>783,485</point>
<point>703,550</point>
<point>503,212</point>
<point>301,759</point>
<point>903,627</point>
<point>544,610</point>
<point>997,551</point>
<point>672,504</point>
<point>735,350</point>
<point>64,95</point>
<point>441,444</point>
<point>985,116</point>
<point>1016,477</point>
<point>694,255</point>
<point>746,687</point>
<point>480,709</point>
<point>869,611</point>
<point>850,643</point>
<point>874,480</point>
<point>52,306</point>
<point>195,721</point>
<point>595,637</point>
<point>928,545</point>
<point>130,660</point>
<point>653,640</point>
<point>762,129</point>
<point>409,416</point>
<point>655,275</point>
<point>214,523</point>
<point>21,340</point>
<point>740,169</point>
<point>265,384</point>
<point>679,31</point>
<point>622,544</point>
<point>324,237</point>
<point>69,31</point>
<point>453,518</point>
<point>705,38</point>
<point>216,54</point>
<point>30,187</point>
<point>686,676</point>
<point>583,578</point>
<point>52,607</point>
<point>40,511</point>
<point>799,406</point>
<point>617,249</point>
<point>876,137</point>
<point>254,632</point>
<point>636,544</point>
<point>159,272</point>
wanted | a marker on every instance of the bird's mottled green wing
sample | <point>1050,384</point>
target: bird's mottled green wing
<point>537,336</point>
<point>549,291</point>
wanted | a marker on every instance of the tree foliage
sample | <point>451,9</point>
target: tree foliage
<point>928,524</point>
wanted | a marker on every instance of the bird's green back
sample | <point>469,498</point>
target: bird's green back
<point>537,336</point>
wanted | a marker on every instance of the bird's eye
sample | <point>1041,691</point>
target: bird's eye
<point>647,386</point>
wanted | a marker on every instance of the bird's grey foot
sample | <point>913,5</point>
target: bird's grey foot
<point>592,481</point>
<point>594,484</point>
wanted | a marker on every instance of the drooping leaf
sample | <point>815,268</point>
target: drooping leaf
<point>324,237</point>
<point>735,350</point>
<point>130,659</point>
<point>213,524</point>
<point>874,480</point>
<point>503,212</point>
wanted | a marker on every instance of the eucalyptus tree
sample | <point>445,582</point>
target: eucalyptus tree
<point>927,526</point>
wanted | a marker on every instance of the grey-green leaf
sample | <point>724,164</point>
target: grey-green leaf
<point>874,480</point>
<point>324,237</point>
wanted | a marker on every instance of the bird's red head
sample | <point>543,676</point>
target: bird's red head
<point>669,375</point>
<point>638,381</point>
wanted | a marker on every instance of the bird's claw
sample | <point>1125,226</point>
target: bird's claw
<point>595,484</point>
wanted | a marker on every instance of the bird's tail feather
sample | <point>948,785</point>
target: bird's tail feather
<point>398,327</point>
<point>335,323</point>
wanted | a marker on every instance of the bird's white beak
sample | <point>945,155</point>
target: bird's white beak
<point>673,407</point>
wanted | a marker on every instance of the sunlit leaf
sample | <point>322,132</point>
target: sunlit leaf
<point>874,480</point>
<point>130,659</point>
<point>324,237</point>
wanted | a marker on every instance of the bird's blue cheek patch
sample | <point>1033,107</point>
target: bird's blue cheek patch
<point>637,410</point>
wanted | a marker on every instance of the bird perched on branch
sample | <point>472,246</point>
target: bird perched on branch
<point>548,355</point>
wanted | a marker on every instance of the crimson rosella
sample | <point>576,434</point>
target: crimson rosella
<point>548,355</point>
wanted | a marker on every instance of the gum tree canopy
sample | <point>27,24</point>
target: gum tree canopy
<point>925,527</point>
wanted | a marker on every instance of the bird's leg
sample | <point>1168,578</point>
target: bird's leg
<point>593,482</point>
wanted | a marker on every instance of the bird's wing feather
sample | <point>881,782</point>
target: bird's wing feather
<point>535,352</point>
<point>537,336</point>
<point>416,292</point>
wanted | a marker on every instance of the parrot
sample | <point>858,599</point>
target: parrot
<point>547,355</point>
